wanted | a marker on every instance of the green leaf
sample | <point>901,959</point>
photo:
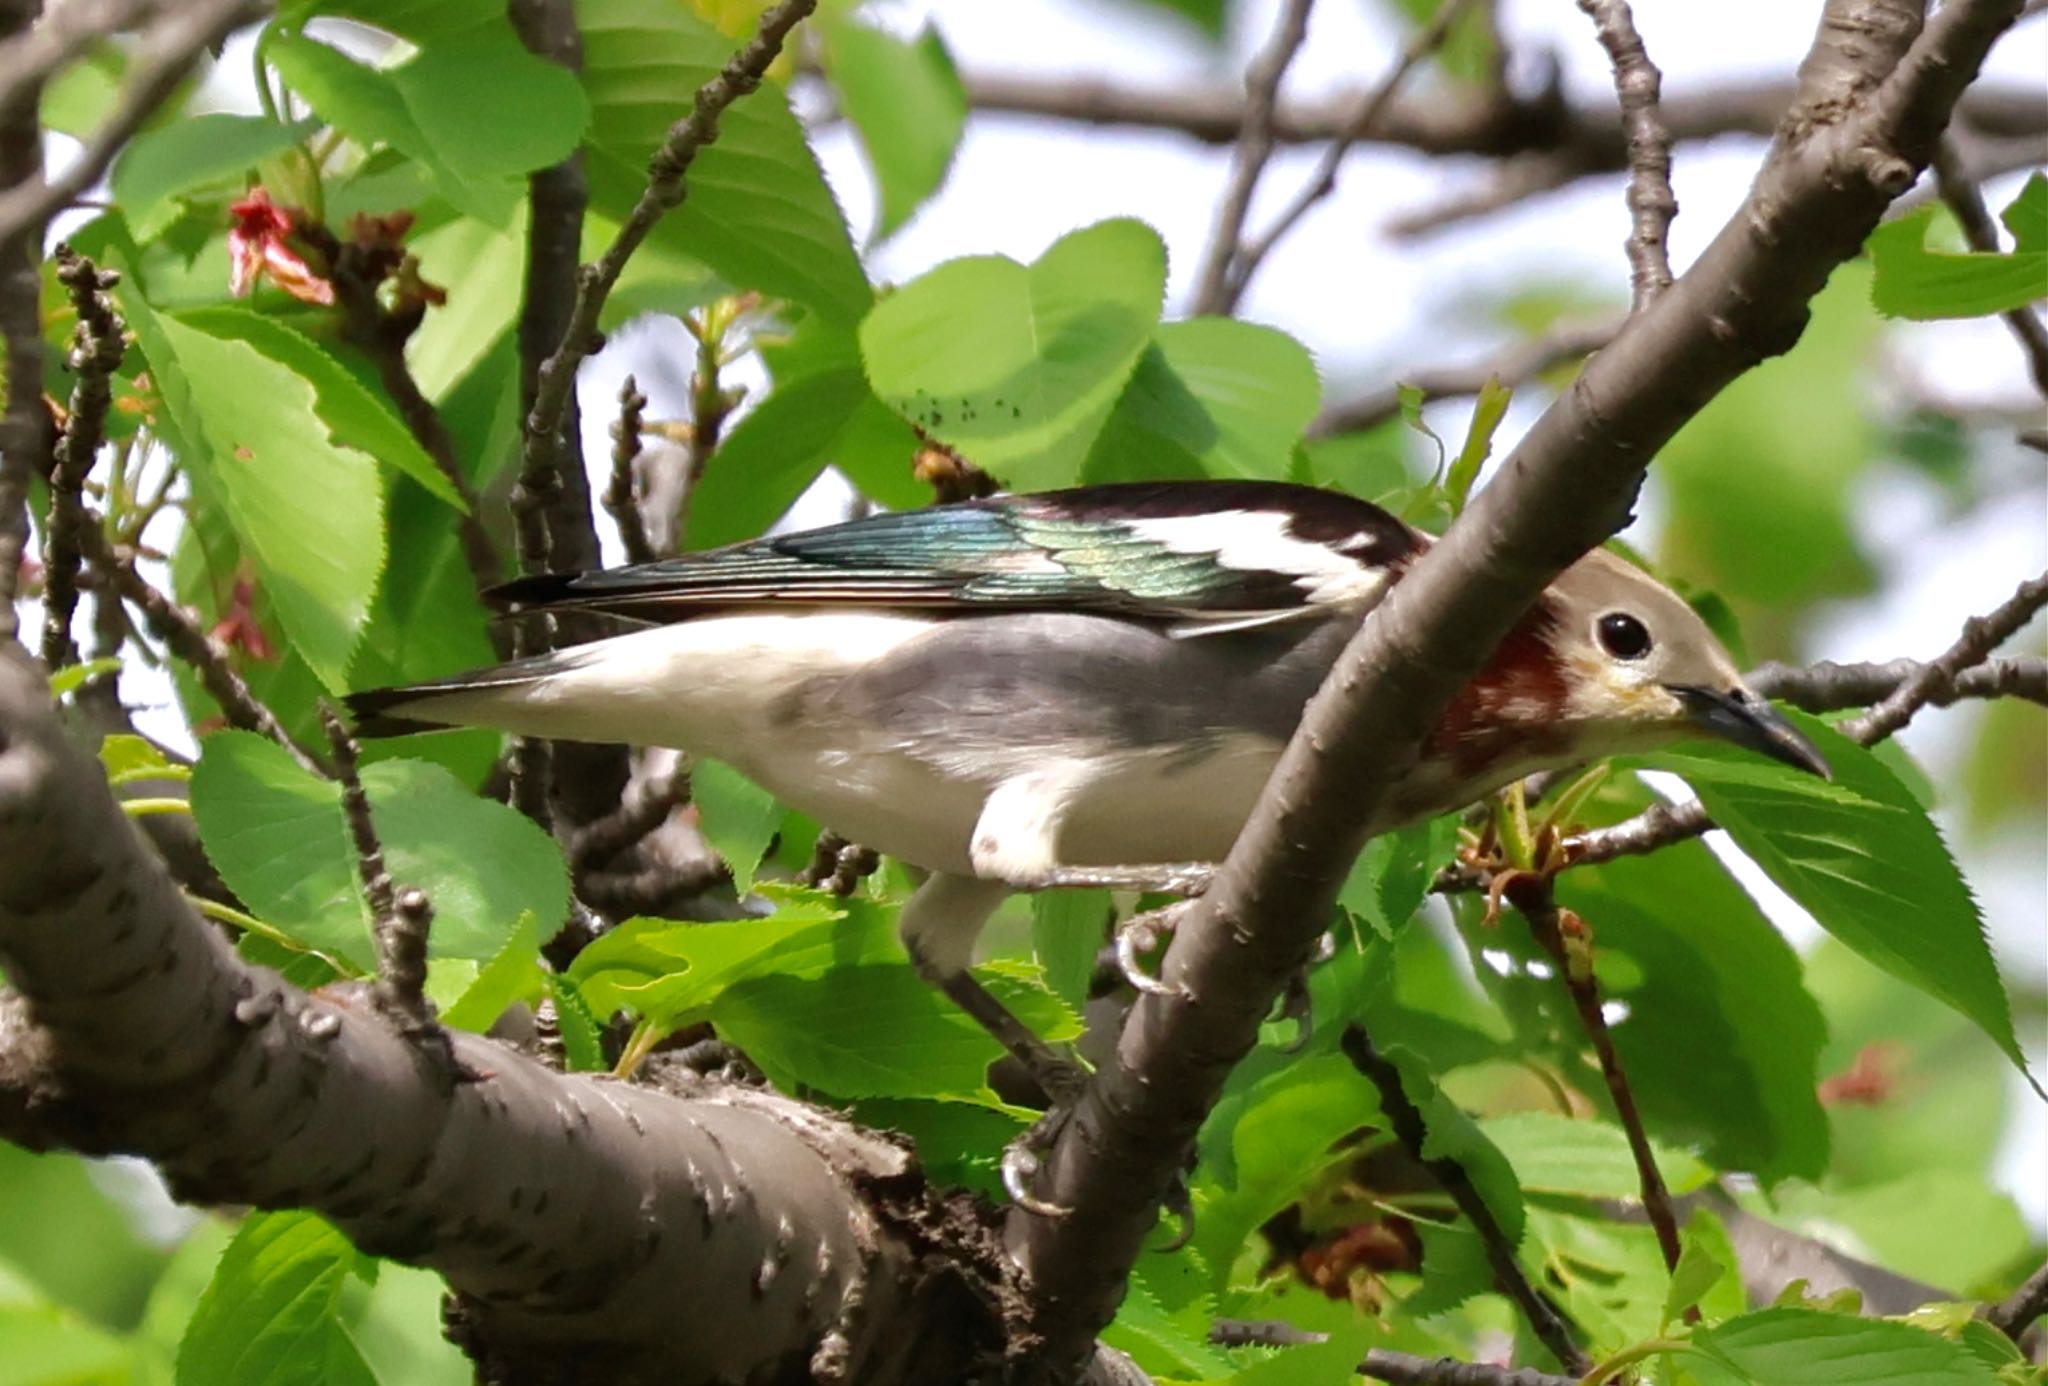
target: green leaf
<point>1555,1154</point>
<point>1712,977</point>
<point>1908,1225</point>
<point>1802,1347</point>
<point>1487,412</point>
<point>1915,282</point>
<point>879,1030</point>
<point>1019,366</point>
<point>1281,1140</point>
<point>270,1316</point>
<point>73,677</point>
<point>1066,934</point>
<point>309,514</point>
<point>1159,1342</point>
<point>581,1032</point>
<point>1703,1263</point>
<point>1452,1135</point>
<point>355,418</point>
<point>1392,876</point>
<point>1758,484</point>
<point>191,153</point>
<point>907,106</point>
<point>737,817</point>
<point>1210,397</point>
<point>776,451</point>
<point>447,108</point>
<point>1876,875</point>
<point>666,972</point>
<point>277,835</point>
<point>48,1345</point>
<point>513,975</point>
<point>959,1143</point>
<point>757,209</point>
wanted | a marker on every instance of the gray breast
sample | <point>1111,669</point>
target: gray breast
<point>1048,680</point>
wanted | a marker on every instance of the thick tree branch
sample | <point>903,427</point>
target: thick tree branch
<point>1248,159</point>
<point>1567,486</point>
<point>1651,203</point>
<point>585,1225</point>
<point>166,52</point>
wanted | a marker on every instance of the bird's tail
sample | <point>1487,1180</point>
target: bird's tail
<point>462,700</point>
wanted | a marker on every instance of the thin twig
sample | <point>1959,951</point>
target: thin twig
<point>1651,203</point>
<point>1248,159</point>
<point>2017,1312</point>
<point>164,54</point>
<point>1513,366</point>
<point>24,423</point>
<point>1406,1369</point>
<point>621,497</point>
<point>34,56</point>
<point>1966,200</point>
<point>665,191</point>
<point>647,803</point>
<point>1261,1333</point>
<point>400,918</point>
<point>1413,1132</point>
<point>1828,686</point>
<point>710,403</point>
<point>1562,935</point>
<point>184,638</point>
<point>1981,635</point>
<point>96,352</point>
<point>1323,181</point>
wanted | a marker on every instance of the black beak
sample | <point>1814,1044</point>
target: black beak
<point>1748,721</point>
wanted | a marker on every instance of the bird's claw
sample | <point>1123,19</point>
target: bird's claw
<point>1295,1002</point>
<point>1020,1164</point>
<point>1141,934</point>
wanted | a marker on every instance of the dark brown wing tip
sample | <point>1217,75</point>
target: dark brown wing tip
<point>370,711</point>
<point>533,591</point>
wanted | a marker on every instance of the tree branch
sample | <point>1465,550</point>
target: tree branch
<point>164,55</point>
<point>622,496</point>
<point>1248,159</point>
<point>584,1224</point>
<point>1829,687</point>
<point>1568,485</point>
<point>96,352</point>
<point>1323,181</point>
<point>2017,1312</point>
<point>1513,366</point>
<point>1966,200</point>
<point>1406,1369</point>
<point>1651,203</point>
<point>1406,1119</point>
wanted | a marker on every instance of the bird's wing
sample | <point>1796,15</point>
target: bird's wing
<point>1190,553</point>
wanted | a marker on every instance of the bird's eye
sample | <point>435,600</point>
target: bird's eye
<point>1623,636</point>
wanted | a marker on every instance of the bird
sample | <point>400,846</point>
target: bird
<point>1086,686</point>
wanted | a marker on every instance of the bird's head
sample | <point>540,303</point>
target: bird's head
<point>1612,660</point>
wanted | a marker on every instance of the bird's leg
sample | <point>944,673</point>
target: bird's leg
<point>939,925</point>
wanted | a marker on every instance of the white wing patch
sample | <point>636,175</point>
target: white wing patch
<point>1253,541</point>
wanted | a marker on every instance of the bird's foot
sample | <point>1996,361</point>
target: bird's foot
<point>1184,878</point>
<point>1295,1004</point>
<point>1057,1076</point>
<point>1021,1162</point>
<point>1141,934</point>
